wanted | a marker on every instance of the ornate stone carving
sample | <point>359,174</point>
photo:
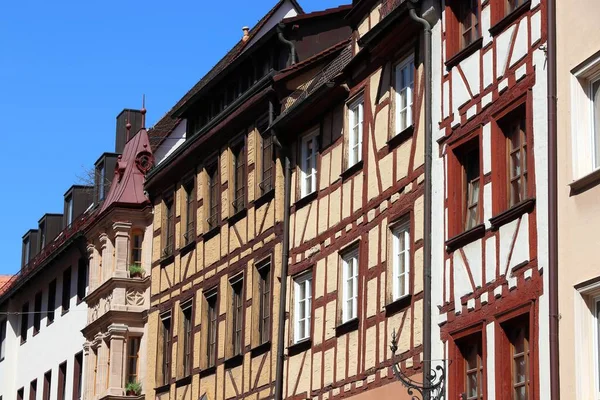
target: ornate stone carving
<point>134,297</point>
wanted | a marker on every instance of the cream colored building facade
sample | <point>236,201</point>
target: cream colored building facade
<point>578,77</point>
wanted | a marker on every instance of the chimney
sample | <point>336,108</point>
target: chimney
<point>246,36</point>
<point>133,117</point>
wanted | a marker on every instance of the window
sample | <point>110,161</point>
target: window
<point>211,328</point>
<point>27,245</point>
<point>264,290</point>
<point>401,260</point>
<point>266,183</point>
<point>302,307</point>
<point>133,349</point>
<point>66,290</point>
<point>101,180</point>
<point>355,120</point>
<point>471,368</point>
<point>465,173</point>
<point>42,236</point>
<point>51,301</point>
<point>169,228</point>
<point>69,210</point>
<point>468,17</point>
<point>186,312</point>
<point>517,333</point>
<point>239,176</point>
<point>237,302</point>
<point>190,212</point>
<point>24,322</point>
<point>47,385</point>
<point>78,376</point>
<point>513,127</point>
<point>595,105</point>
<point>62,381</point>
<point>506,7</point>
<point>82,268</point>
<point>214,197</point>
<point>471,189</point>
<point>136,248</point>
<point>404,83</point>
<point>350,285</point>
<point>2,339</point>
<point>308,164</point>
<point>33,390</point>
<point>20,393</point>
<point>165,347</point>
<point>37,309</point>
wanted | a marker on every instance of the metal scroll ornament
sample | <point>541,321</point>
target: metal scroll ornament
<point>433,385</point>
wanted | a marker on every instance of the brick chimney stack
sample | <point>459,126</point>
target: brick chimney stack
<point>246,31</point>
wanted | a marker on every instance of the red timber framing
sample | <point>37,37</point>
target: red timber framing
<point>492,119</point>
<point>359,233</point>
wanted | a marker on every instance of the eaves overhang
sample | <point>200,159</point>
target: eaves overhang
<point>385,25</point>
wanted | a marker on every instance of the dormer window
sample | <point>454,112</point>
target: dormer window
<point>42,235</point>
<point>27,245</point>
<point>69,210</point>
<point>101,178</point>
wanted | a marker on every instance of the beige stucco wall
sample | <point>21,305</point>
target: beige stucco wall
<point>579,215</point>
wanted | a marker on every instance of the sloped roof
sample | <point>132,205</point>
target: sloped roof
<point>167,123</point>
<point>4,279</point>
<point>127,187</point>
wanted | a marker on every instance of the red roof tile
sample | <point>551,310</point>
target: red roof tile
<point>4,282</point>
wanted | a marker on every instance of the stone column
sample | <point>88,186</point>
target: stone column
<point>122,232</point>
<point>102,363</point>
<point>93,262</point>
<point>116,336</point>
<point>107,257</point>
<point>88,376</point>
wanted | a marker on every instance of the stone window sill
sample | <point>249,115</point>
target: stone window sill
<point>525,206</point>
<point>462,239</point>
<point>585,183</point>
<point>346,327</point>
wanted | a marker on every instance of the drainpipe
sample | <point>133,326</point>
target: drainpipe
<point>427,200</point>
<point>287,195</point>
<point>289,43</point>
<point>552,203</point>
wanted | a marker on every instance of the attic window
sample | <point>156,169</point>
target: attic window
<point>69,210</point>
<point>101,179</point>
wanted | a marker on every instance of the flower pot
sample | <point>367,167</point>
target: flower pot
<point>130,393</point>
<point>137,275</point>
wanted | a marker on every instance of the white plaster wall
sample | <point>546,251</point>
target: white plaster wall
<point>171,143</point>
<point>53,344</point>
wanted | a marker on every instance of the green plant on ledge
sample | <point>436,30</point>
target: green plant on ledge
<point>133,389</point>
<point>136,271</point>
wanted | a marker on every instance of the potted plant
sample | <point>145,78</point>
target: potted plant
<point>136,271</point>
<point>133,389</point>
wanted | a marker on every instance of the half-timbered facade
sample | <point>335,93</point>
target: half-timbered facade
<point>490,199</point>
<point>218,208</point>
<point>353,129</point>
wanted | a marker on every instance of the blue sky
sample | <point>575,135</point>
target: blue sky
<point>67,68</point>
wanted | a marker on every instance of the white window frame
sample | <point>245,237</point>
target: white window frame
<point>584,133</point>
<point>355,130</point>
<point>586,341</point>
<point>70,210</point>
<point>308,164</point>
<point>404,91</point>
<point>3,333</point>
<point>401,232</point>
<point>302,284</point>
<point>350,274</point>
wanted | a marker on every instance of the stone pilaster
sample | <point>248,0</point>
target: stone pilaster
<point>107,257</point>
<point>93,262</point>
<point>102,365</point>
<point>116,337</point>
<point>88,376</point>
<point>122,232</point>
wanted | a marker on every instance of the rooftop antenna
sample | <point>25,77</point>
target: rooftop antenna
<point>143,111</point>
<point>128,127</point>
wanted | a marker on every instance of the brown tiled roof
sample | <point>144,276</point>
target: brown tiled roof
<point>167,123</point>
<point>4,279</point>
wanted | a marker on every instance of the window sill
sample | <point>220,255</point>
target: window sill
<point>48,323</point>
<point>23,342</point>
<point>305,200</point>
<point>351,171</point>
<point>208,371</point>
<point>167,260</point>
<point>162,389</point>
<point>502,24</point>
<point>35,333</point>
<point>299,347</point>
<point>465,238</point>
<point>526,206</point>
<point>260,349</point>
<point>585,183</point>
<point>400,138</point>
<point>346,327</point>
<point>63,312</point>
<point>187,248</point>
<point>398,305</point>
<point>211,232</point>
<point>464,53</point>
<point>237,216</point>
<point>183,381</point>
<point>234,361</point>
<point>264,198</point>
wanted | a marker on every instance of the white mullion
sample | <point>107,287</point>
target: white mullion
<point>354,286</point>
